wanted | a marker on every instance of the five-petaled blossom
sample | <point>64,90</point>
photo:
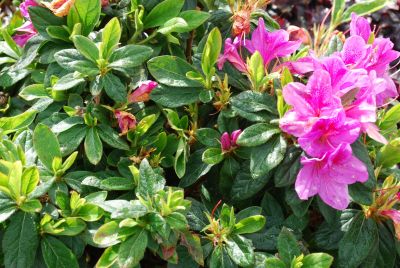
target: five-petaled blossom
<point>142,93</point>
<point>126,121</point>
<point>228,142</point>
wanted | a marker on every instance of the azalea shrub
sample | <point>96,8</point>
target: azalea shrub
<point>197,133</point>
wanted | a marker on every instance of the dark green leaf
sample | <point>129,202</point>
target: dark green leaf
<point>72,60</point>
<point>240,250</point>
<point>56,254</point>
<point>164,11</point>
<point>114,88</point>
<point>93,146</point>
<point>132,250</point>
<point>287,246</point>
<point>172,97</point>
<point>86,12</point>
<point>257,134</point>
<point>46,145</point>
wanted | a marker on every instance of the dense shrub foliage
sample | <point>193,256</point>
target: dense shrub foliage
<point>185,133</point>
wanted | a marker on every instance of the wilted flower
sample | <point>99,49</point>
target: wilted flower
<point>271,45</point>
<point>60,8</point>
<point>142,93</point>
<point>241,22</point>
<point>298,34</point>
<point>330,175</point>
<point>232,55</point>
<point>27,32</point>
<point>228,142</point>
<point>126,121</point>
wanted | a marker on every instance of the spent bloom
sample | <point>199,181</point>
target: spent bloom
<point>228,142</point>
<point>142,93</point>
<point>60,8</point>
<point>126,121</point>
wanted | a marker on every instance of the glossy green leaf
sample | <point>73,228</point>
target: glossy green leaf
<point>162,12</point>
<point>93,146</point>
<point>46,145</point>
<point>132,250</point>
<point>57,254</point>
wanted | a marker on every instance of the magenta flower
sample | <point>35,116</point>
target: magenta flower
<point>394,215</point>
<point>360,26</point>
<point>309,103</point>
<point>142,93</point>
<point>271,45</point>
<point>330,175</point>
<point>23,7</point>
<point>27,32</point>
<point>228,142</point>
<point>231,55</point>
<point>328,133</point>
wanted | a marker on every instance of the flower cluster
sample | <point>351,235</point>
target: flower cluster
<point>228,142</point>
<point>270,45</point>
<point>338,103</point>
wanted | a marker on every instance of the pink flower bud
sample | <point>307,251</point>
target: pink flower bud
<point>225,142</point>
<point>234,136</point>
<point>142,93</point>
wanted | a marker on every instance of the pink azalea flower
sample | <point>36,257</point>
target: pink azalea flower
<point>228,142</point>
<point>271,45</point>
<point>142,93</point>
<point>23,7</point>
<point>360,26</point>
<point>231,55</point>
<point>104,3</point>
<point>126,121</point>
<point>394,215</point>
<point>328,133</point>
<point>330,175</point>
<point>27,30</point>
<point>309,103</point>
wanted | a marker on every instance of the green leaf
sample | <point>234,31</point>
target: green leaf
<point>240,250</point>
<point>67,82</point>
<point>257,134</point>
<point>85,12</point>
<point>11,124</point>
<point>338,8</point>
<point>391,118</point>
<point>7,207</point>
<point>245,186</point>
<point>117,184</point>
<point>211,52</point>
<point>162,12</point>
<point>132,250</point>
<point>129,56</point>
<point>177,221</point>
<point>32,92</point>
<point>57,254</point>
<point>174,25</point>
<point>363,8</point>
<point>29,180</point>
<point>93,146</point>
<point>171,70</point>
<point>286,173</point>
<point>389,155</point>
<point>266,157</point>
<point>71,139</point>
<point>197,169</point>
<point>86,47</point>
<point>72,60</point>
<point>250,225</point>
<point>358,241</point>
<point>362,192</point>
<point>46,145</point>
<point>386,255</point>
<point>108,258</point>
<point>150,182</point>
<point>208,137</point>
<point>212,156</point>
<point>90,212</point>
<point>320,260</point>
<point>172,97</point>
<point>111,137</point>
<point>180,158</point>
<point>287,246</point>
<point>275,263</point>
<point>194,18</point>
<point>20,241</point>
<point>31,206</point>
<point>110,37</point>
<point>42,18</point>
<point>107,234</point>
<point>221,259</point>
<point>114,88</point>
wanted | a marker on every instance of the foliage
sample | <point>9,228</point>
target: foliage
<point>139,134</point>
